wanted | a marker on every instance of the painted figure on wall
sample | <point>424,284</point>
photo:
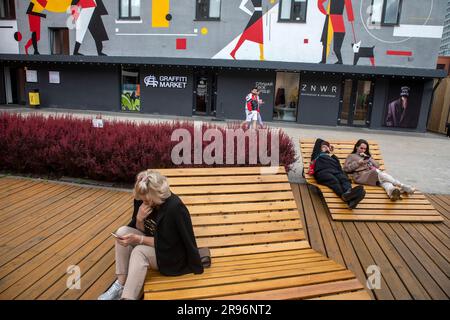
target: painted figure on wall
<point>86,14</point>
<point>334,27</point>
<point>254,29</point>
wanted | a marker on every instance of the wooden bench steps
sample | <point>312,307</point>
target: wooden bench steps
<point>376,206</point>
<point>251,223</point>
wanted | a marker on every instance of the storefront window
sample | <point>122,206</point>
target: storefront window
<point>131,90</point>
<point>286,96</point>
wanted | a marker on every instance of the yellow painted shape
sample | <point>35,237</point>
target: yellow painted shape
<point>52,6</point>
<point>204,31</point>
<point>330,30</point>
<point>160,9</point>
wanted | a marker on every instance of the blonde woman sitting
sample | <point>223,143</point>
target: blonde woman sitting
<point>160,236</point>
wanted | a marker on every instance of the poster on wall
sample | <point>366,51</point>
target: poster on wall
<point>31,76</point>
<point>402,107</point>
<point>53,76</point>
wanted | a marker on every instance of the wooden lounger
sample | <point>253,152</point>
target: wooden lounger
<point>251,223</point>
<point>376,206</point>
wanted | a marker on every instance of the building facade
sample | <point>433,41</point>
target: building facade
<point>445,45</point>
<point>368,63</point>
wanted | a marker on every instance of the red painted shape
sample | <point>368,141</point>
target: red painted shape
<point>18,36</point>
<point>254,32</point>
<point>306,41</point>
<point>399,53</point>
<point>181,44</point>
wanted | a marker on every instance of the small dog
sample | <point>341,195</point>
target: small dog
<point>362,52</point>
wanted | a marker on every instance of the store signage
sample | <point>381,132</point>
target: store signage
<point>264,87</point>
<point>171,82</point>
<point>319,90</point>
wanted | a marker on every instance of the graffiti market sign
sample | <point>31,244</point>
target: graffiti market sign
<point>171,82</point>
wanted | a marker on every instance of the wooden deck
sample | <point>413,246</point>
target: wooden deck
<point>45,227</point>
<point>413,257</point>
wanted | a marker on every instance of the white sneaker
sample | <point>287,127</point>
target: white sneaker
<point>113,293</point>
<point>407,189</point>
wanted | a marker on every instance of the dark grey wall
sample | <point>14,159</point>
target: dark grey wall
<point>319,107</point>
<point>167,100</point>
<point>80,87</point>
<point>233,87</point>
<point>379,102</point>
<point>2,86</point>
<point>425,108</point>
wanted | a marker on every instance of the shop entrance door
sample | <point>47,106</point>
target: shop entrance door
<point>14,82</point>
<point>204,94</point>
<point>356,102</point>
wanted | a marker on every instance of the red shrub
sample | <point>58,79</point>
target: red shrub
<point>73,147</point>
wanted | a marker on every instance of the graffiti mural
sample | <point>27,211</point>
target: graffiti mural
<point>254,29</point>
<point>349,32</point>
<point>85,15</point>
<point>334,27</point>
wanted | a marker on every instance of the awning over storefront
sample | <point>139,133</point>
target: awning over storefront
<point>232,64</point>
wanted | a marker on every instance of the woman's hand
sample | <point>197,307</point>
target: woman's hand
<point>144,211</point>
<point>129,239</point>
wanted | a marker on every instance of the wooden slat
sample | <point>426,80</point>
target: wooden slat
<point>387,218</point>
<point>245,217</point>
<point>221,180</point>
<point>303,292</point>
<point>246,228</point>
<point>241,207</point>
<point>231,188</point>
<point>273,247</point>
<point>254,286</point>
<point>233,171</point>
<point>357,295</point>
<point>243,197</point>
<point>242,276</point>
<point>214,242</point>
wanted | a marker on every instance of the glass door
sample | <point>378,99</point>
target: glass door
<point>356,102</point>
<point>204,94</point>
<point>131,90</point>
<point>286,96</point>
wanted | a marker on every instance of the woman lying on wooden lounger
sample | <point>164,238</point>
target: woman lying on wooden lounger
<point>365,170</point>
<point>328,171</point>
<point>160,236</point>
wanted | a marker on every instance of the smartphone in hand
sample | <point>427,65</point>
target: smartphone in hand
<point>116,236</point>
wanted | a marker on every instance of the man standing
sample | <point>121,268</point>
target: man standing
<point>334,21</point>
<point>252,108</point>
<point>399,113</point>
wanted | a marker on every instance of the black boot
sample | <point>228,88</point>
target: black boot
<point>99,46</point>
<point>352,193</point>
<point>354,202</point>
<point>77,48</point>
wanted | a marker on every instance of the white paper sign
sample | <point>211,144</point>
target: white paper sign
<point>53,76</point>
<point>97,123</point>
<point>31,76</point>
